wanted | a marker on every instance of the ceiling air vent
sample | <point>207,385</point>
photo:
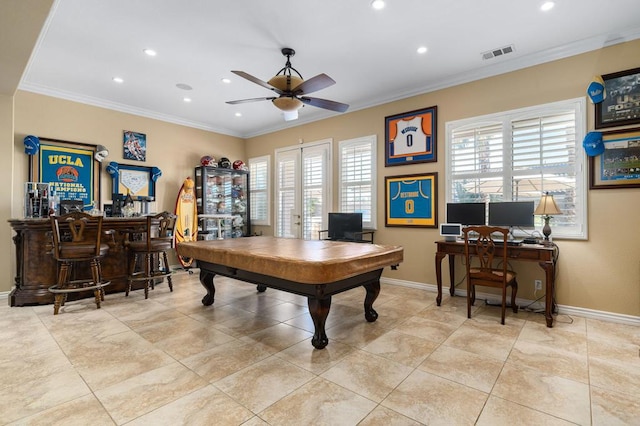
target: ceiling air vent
<point>498,52</point>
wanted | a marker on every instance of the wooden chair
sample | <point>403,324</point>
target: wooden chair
<point>76,238</point>
<point>485,250</point>
<point>151,248</point>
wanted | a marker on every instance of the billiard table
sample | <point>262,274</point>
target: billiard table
<point>312,268</point>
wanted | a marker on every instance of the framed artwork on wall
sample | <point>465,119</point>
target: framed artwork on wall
<point>70,170</point>
<point>619,165</point>
<point>139,181</point>
<point>621,106</point>
<point>412,200</point>
<point>134,146</point>
<point>410,137</point>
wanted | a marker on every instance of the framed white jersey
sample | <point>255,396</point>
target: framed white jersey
<point>411,137</point>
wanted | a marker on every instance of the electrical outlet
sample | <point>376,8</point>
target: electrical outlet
<point>538,284</point>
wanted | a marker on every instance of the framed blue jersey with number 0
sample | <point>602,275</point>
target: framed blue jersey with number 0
<point>411,200</point>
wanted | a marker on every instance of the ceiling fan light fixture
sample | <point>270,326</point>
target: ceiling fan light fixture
<point>287,104</point>
<point>285,82</point>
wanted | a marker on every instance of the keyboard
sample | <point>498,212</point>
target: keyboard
<point>512,243</point>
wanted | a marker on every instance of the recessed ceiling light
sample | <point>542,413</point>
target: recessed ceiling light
<point>118,80</point>
<point>238,114</point>
<point>150,52</point>
<point>187,100</point>
<point>422,49</point>
<point>183,86</point>
<point>377,4</point>
<point>225,80</point>
<point>547,6</point>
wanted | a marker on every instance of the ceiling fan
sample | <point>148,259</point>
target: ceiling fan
<point>292,89</point>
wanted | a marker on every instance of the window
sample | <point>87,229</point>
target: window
<point>517,156</point>
<point>259,190</point>
<point>357,173</point>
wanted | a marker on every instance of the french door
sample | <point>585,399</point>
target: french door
<point>303,189</point>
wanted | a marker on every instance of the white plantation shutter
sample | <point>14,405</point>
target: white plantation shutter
<point>314,180</point>
<point>357,161</point>
<point>259,190</point>
<point>286,195</point>
<point>517,156</point>
<point>476,161</point>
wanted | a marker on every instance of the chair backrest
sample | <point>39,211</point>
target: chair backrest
<point>84,230</point>
<point>161,227</point>
<point>484,250</point>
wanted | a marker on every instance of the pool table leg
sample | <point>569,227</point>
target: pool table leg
<point>206,279</point>
<point>373,289</point>
<point>319,310</point>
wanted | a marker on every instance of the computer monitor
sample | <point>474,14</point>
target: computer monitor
<point>345,226</point>
<point>467,213</point>
<point>511,214</point>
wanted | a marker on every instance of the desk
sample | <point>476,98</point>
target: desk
<point>312,268</point>
<point>544,256</point>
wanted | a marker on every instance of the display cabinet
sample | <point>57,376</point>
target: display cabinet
<point>222,197</point>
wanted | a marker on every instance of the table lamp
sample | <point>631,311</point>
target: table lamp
<point>546,209</point>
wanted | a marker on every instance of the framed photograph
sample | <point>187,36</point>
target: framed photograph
<point>410,137</point>
<point>70,170</point>
<point>138,180</point>
<point>619,165</point>
<point>135,146</point>
<point>412,200</point>
<point>621,107</point>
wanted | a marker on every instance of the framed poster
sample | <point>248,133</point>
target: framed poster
<point>410,137</point>
<point>137,180</point>
<point>69,168</point>
<point>619,165</point>
<point>412,200</point>
<point>134,146</point>
<point>621,106</point>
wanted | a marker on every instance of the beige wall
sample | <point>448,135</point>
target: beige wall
<point>602,273</point>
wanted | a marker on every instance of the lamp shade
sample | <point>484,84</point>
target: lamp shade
<point>547,206</point>
<point>286,103</point>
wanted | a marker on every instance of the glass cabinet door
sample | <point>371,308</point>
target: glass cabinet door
<point>223,203</point>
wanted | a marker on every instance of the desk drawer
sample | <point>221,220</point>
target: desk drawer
<point>526,253</point>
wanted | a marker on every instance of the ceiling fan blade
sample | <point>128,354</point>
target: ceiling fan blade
<point>244,101</point>
<point>257,81</point>
<point>324,103</point>
<point>314,84</point>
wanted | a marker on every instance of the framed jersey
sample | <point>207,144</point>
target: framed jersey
<point>410,137</point>
<point>412,200</point>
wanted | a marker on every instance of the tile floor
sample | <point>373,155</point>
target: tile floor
<point>248,360</point>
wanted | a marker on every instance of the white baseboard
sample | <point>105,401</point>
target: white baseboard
<point>562,309</point>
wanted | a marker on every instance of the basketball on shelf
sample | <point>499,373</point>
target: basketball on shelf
<point>224,163</point>
<point>239,165</point>
<point>208,161</point>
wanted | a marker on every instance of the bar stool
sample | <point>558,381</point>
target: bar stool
<point>77,239</point>
<point>151,248</point>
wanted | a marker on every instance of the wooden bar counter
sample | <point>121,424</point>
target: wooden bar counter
<point>36,268</point>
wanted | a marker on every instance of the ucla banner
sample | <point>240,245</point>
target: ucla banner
<point>70,170</point>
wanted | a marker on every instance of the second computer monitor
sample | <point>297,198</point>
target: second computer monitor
<point>512,214</point>
<point>467,213</point>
